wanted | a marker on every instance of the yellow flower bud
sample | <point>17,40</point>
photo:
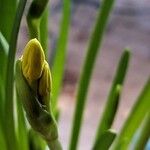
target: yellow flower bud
<point>45,81</point>
<point>33,60</point>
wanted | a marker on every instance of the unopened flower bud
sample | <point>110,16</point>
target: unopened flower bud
<point>33,60</point>
<point>45,81</point>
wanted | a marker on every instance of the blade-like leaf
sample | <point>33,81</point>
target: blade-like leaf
<point>105,140</point>
<point>114,96</point>
<point>143,134</point>
<point>2,139</point>
<point>92,52</point>
<point>136,116</point>
<point>3,55</point>
<point>3,44</point>
<point>22,128</point>
<point>8,10</point>
<point>9,89</point>
<point>108,115</point>
<point>60,55</point>
<point>3,61</point>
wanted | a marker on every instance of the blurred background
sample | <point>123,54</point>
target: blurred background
<point>129,26</point>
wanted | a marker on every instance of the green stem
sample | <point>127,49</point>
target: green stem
<point>34,17</point>
<point>54,145</point>
<point>7,15</point>
<point>9,89</point>
<point>93,48</point>
<point>44,31</point>
<point>33,26</point>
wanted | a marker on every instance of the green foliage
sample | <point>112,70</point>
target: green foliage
<point>8,106</point>
<point>7,16</point>
<point>144,133</point>
<point>3,61</point>
<point>95,43</point>
<point>34,16</point>
<point>105,140</point>
<point>35,142</point>
<point>113,97</point>
<point>135,118</point>
<point>60,54</point>
<point>15,131</point>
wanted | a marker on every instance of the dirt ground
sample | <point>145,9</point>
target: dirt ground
<point>129,26</point>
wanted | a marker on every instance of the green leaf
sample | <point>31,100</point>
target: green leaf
<point>8,11</point>
<point>108,115</point>
<point>9,89</point>
<point>136,116</point>
<point>2,139</point>
<point>60,55</point>
<point>143,134</point>
<point>92,52</point>
<point>3,44</point>
<point>3,61</point>
<point>105,140</point>
<point>114,96</point>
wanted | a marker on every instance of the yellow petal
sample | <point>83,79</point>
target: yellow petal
<point>45,81</point>
<point>33,60</point>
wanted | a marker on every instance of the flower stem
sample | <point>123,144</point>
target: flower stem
<point>55,145</point>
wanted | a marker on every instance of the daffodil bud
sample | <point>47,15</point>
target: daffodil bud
<point>33,60</point>
<point>45,81</point>
<point>35,93</point>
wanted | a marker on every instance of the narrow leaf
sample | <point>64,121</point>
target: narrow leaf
<point>108,115</point>
<point>60,55</point>
<point>105,140</point>
<point>92,52</point>
<point>136,116</point>
<point>3,44</point>
<point>2,139</point>
<point>3,55</point>
<point>114,96</point>
<point>143,134</point>
<point>3,61</point>
<point>9,89</point>
<point>7,15</point>
<point>22,128</point>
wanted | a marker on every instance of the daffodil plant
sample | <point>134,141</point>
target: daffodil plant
<point>29,113</point>
<point>33,82</point>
